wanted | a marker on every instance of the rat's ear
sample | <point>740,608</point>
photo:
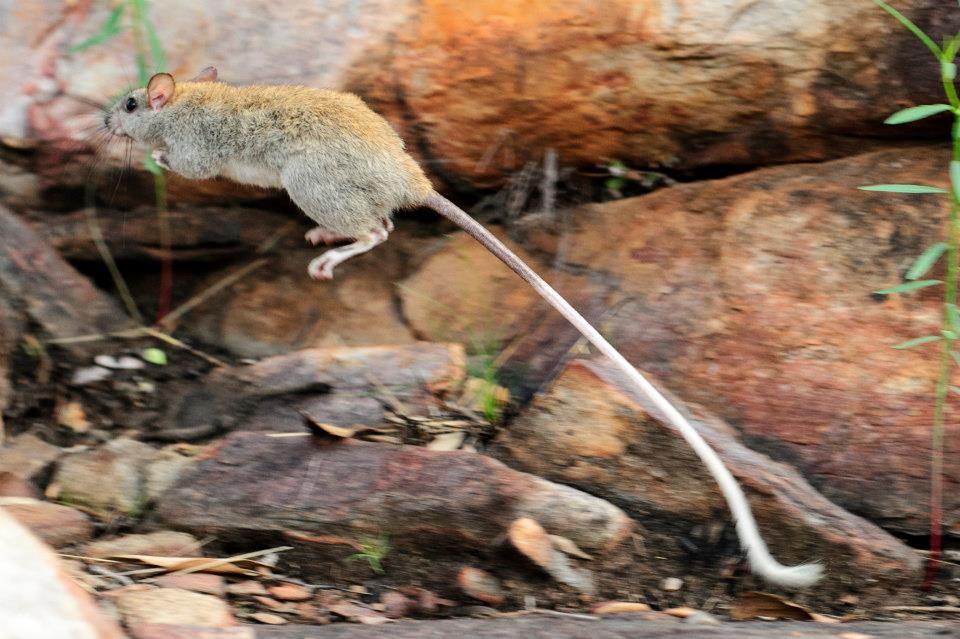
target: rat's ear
<point>207,75</point>
<point>160,89</point>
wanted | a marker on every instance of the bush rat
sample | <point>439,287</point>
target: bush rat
<point>346,168</point>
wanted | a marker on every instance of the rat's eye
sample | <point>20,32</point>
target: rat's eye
<point>131,105</point>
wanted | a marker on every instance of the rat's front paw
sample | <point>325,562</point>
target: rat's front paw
<point>160,158</point>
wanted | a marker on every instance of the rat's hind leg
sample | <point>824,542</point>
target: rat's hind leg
<point>321,268</point>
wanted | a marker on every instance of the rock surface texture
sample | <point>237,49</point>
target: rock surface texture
<point>593,431</point>
<point>754,297</point>
<point>253,482</point>
<point>479,91</point>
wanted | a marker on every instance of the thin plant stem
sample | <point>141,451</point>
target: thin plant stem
<point>146,46</point>
<point>111,264</point>
<point>946,346</point>
<point>945,57</point>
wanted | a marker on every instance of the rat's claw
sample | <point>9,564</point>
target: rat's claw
<point>161,159</point>
<point>319,234</point>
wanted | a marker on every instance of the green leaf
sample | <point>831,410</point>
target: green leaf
<point>955,389</point>
<point>917,113</point>
<point>154,356</point>
<point>902,188</point>
<point>914,29</point>
<point>956,357</point>
<point>151,165</point>
<point>949,335</point>
<point>615,183</point>
<point>918,341</point>
<point>925,261</point>
<point>953,317</point>
<point>110,28</point>
<point>908,286</point>
<point>950,47</point>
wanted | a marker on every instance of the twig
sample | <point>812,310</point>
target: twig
<point>133,333</point>
<point>947,609</point>
<point>171,317</point>
<point>173,341</point>
<point>103,571</point>
<point>268,244</point>
<point>107,258</point>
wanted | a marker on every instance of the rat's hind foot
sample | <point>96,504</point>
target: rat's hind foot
<point>321,268</point>
<point>319,234</point>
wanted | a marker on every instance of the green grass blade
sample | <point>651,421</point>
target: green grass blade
<point>915,113</point>
<point>151,165</point>
<point>914,29</point>
<point>918,341</point>
<point>908,286</point>
<point>925,261</point>
<point>902,188</point>
<point>110,28</point>
<point>953,317</point>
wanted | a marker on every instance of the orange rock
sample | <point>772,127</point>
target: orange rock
<point>56,524</point>
<point>289,592</point>
<point>480,585</point>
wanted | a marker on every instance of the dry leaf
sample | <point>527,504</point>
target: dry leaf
<point>318,427</point>
<point>72,415</point>
<point>683,612</point>
<point>756,605</point>
<point>618,607</point>
<point>566,546</point>
<point>532,540</point>
<point>202,564</point>
<point>332,540</point>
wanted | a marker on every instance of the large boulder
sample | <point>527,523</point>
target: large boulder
<point>754,296</point>
<point>479,91</point>
<point>37,596</point>
<point>593,430</point>
<point>252,482</point>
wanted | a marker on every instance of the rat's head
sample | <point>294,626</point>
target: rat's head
<point>135,115</point>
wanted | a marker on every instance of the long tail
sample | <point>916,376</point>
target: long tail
<point>761,561</point>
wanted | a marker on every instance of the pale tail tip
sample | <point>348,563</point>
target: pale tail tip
<point>794,576</point>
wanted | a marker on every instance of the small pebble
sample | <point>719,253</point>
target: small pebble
<point>701,618</point>
<point>671,584</point>
<point>246,587</point>
<point>268,618</point>
<point>90,375</point>
<point>125,362</point>
<point>289,592</point>
<point>480,585</point>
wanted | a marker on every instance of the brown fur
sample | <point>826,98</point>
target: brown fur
<point>340,162</point>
